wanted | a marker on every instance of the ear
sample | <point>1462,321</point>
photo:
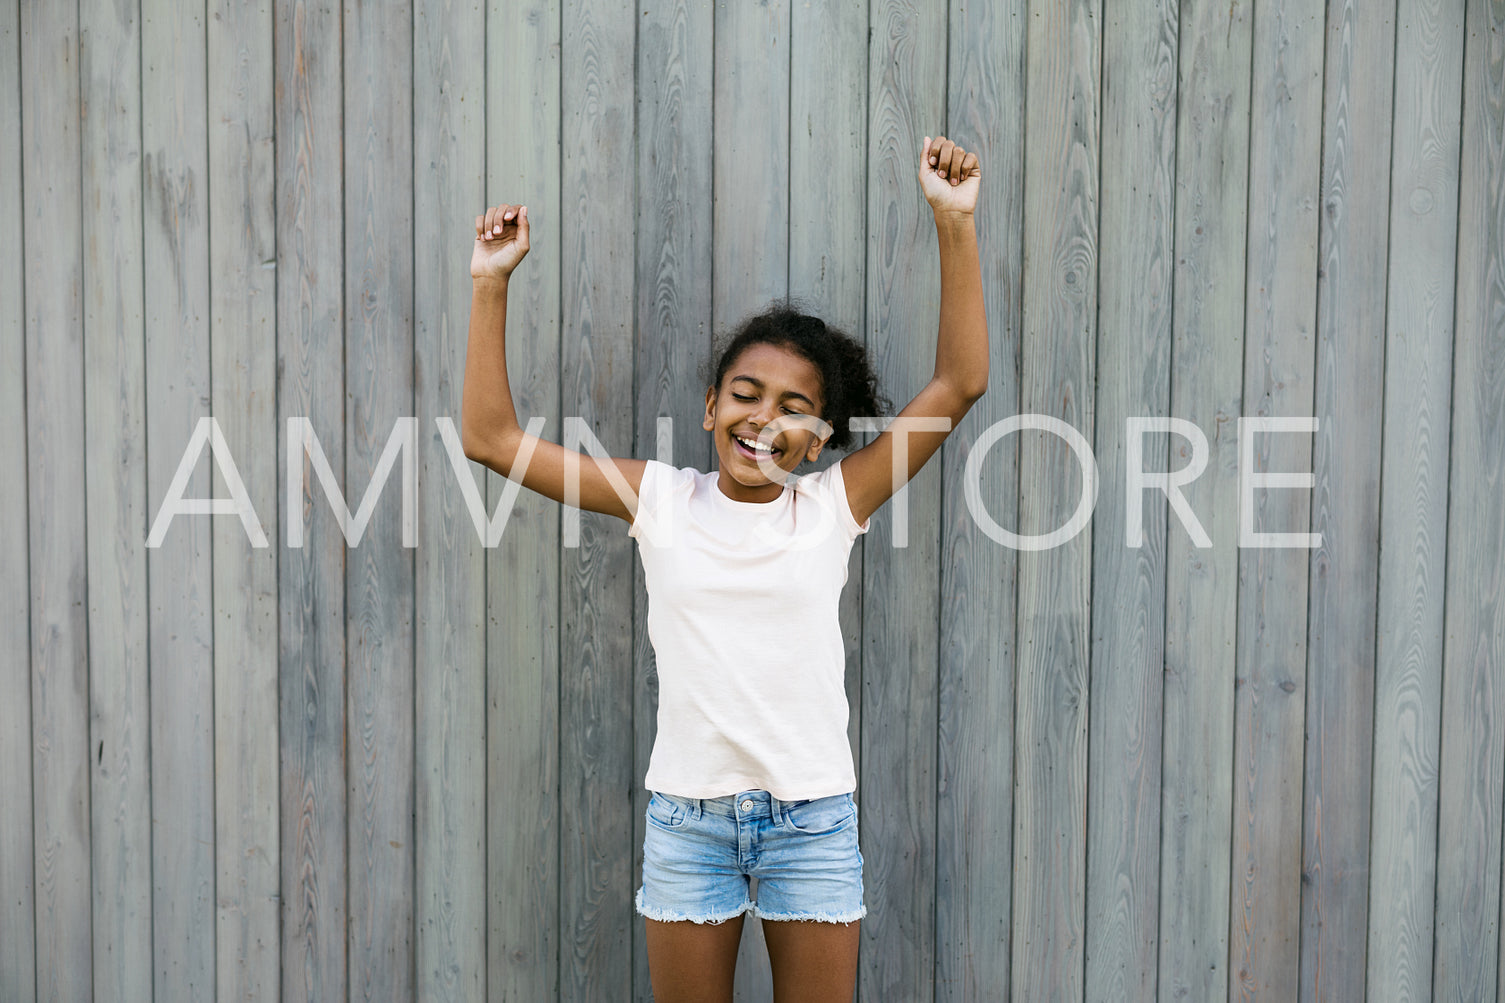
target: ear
<point>710,409</point>
<point>813,452</point>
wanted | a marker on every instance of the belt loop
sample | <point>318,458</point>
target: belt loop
<point>778,809</point>
<point>697,809</point>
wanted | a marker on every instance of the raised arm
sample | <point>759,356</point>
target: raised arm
<point>950,178</point>
<point>489,428</point>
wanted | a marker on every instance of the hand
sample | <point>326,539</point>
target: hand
<point>949,176</point>
<point>501,242</point>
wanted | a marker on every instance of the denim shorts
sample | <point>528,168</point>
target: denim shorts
<point>699,854</point>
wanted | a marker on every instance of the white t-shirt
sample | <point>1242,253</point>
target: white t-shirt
<point>742,613</point>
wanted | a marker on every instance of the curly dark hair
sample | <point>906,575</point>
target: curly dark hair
<point>849,386</point>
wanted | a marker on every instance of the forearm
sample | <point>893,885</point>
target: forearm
<point>961,350</point>
<point>488,418</point>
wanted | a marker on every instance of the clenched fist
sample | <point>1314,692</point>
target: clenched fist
<point>501,242</point>
<point>949,176</point>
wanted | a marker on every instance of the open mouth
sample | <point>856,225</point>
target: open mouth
<point>752,448</point>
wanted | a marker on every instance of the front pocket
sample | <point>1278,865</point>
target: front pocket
<point>666,812</point>
<point>821,815</point>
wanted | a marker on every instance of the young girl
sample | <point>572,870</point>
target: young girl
<point>751,770</point>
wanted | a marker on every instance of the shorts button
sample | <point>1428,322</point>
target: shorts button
<point>747,805</point>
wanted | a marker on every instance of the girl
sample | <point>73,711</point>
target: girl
<point>751,768</point>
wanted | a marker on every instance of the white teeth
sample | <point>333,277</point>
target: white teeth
<point>755,445</point>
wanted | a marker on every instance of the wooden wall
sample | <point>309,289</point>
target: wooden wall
<point>1098,771</point>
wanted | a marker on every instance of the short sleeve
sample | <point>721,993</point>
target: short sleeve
<point>836,485</point>
<point>650,494</point>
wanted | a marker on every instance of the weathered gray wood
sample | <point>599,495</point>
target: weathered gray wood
<point>1057,340</point>
<point>1270,687</point>
<point>311,578</point>
<point>1201,595</point>
<point>449,160</point>
<point>1136,234</point>
<point>1413,488</point>
<point>378,274</point>
<point>118,502</point>
<point>52,239</point>
<point>175,239</point>
<point>675,70</point>
<point>900,711</point>
<point>974,767</point>
<point>1359,87</point>
<point>750,252</point>
<point>527,912</point>
<point>243,381</point>
<point>18,976</point>
<point>596,685</point>
<point>1472,781</point>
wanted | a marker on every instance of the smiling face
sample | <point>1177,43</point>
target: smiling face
<point>762,384</point>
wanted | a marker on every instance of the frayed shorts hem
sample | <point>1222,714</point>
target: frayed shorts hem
<point>669,916</point>
<point>819,917</point>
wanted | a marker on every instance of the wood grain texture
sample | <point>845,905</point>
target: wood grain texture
<point>1136,234</point>
<point>1343,577</point>
<point>675,72</point>
<point>1054,599</point>
<point>379,600</point>
<point>18,975</point>
<point>750,162</point>
<point>117,501</point>
<point>1270,686</point>
<point>978,650</point>
<point>52,235</point>
<point>596,686</point>
<point>527,913</point>
<point>175,237</point>
<point>1413,491</point>
<point>1472,783</point>
<point>449,730</point>
<point>897,788</point>
<point>311,579</point>
<point>243,389</point>
<point>1201,590</point>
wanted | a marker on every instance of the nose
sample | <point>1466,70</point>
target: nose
<point>763,415</point>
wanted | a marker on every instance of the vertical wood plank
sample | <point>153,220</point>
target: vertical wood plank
<point>55,424</point>
<point>1284,170</point>
<point>118,504</point>
<point>1358,102</point>
<point>175,178</point>
<point>750,251</point>
<point>596,687</point>
<point>18,977</point>
<point>1059,331</point>
<point>675,70</point>
<point>1136,228</point>
<point>243,382</point>
<point>1472,781</point>
<point>974,806</point>
<point>1413,497</point>
<point>900,711</point>
<point>1212,158</point>
<point>448,164</point>
<point>378,232</point>
<point>311,578</point>
<point>528,910</point>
